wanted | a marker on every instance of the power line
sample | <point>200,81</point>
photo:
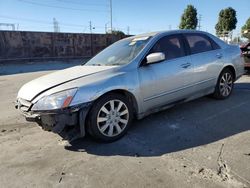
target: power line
<point>8,25</point>
<point>62,24</point>
<point>44,22</point>
<point>82,3</point>
<point>59,7</point>
<point>24,19</point>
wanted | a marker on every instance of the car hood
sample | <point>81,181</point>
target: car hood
<point>44,83</point>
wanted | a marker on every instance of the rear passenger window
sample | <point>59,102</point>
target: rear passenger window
<point>171,46</point>
<point>198,43</point>
<point>215,45</point>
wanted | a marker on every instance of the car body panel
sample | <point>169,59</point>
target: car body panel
<point>234,58</point>
<point>36,86</point>
<point>207,67</point>
<point>164,82</point>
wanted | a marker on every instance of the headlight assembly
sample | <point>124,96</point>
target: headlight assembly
<point>57,100</point>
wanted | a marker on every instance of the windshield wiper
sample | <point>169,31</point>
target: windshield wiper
<point>97,64</point>
<point>113,64</point>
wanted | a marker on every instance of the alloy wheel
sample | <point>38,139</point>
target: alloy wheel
<point>112,118</point>
<point>226,84</point>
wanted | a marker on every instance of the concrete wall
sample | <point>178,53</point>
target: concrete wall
<point>42,45</point>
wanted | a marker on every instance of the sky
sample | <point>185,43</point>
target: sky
<point>130,16</point>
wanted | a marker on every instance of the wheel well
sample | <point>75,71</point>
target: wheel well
<point>127,94</point>
<point>231,68</point>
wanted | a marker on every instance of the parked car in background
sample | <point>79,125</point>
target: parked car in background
<point>245,49</point>
<point>130,79</point>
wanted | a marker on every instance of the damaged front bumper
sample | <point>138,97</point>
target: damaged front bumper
<point>68,123</point>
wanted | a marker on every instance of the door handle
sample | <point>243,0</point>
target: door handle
<point>186,65</point>
<point>219,55</point>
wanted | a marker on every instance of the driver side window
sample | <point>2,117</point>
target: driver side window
<point>171,46</point>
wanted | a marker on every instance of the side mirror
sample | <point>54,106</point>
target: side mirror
<point>155,57</point>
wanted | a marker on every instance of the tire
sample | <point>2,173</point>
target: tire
<point>110,117</point>
<point>225,85</point>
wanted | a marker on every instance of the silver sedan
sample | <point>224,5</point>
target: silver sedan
<point>130,79</point>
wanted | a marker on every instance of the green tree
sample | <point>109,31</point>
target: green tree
<point>227,21</point>
<point>245,30</point>
<point>189,18</point>
<point>118,33</point>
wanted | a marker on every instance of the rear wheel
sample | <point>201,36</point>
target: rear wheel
<point>224,85</point>
<point>110,117</point>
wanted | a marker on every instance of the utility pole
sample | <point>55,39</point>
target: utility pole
<point>128,30</point>
<point>238,38</point>
<point>199,22</point>
<point>170,27</point>
<point>111,16</point>
<point>90,27</point>
<point>91,38</point>
<point>56,26</point>
<point>106,27</point>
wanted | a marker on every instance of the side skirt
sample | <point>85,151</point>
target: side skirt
<point>200,94</point>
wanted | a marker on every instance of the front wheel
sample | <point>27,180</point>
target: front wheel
<point>110,117</point>
<point>224,85</point>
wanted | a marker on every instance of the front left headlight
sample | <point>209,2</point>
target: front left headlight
<point>58,100</point>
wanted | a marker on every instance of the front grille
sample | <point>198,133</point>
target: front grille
<point>23,105</point>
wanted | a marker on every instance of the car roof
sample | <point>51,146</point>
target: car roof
<point>151,34</point>
<point>180,31</point>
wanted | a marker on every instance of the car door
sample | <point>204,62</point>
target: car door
<point>167,81</point>
<point>207,59</point>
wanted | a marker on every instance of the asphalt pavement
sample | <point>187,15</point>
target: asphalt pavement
<point>202,143</point>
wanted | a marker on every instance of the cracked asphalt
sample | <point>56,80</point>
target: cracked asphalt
<point>202,143</point>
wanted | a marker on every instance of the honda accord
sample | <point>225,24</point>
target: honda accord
<point>132,78</point>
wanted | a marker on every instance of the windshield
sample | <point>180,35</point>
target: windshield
<point>119,53</point>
